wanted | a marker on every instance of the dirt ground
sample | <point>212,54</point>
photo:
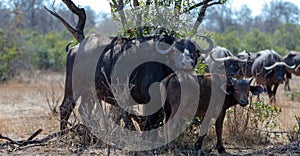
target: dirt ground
<point>25,107</point>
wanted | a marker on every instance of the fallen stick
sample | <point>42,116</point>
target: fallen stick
<point>36,141</point>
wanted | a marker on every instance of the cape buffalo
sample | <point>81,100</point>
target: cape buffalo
<point>222,61</point>
<point>292,58</point>
<point>90,67</point>
<point>268,69</point>
<point>210,104</point>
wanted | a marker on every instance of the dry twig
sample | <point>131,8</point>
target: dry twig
<point>38,141</point>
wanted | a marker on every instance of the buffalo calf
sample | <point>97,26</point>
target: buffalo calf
<point>210,103</point>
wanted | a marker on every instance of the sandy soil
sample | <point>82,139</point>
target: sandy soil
<point>24,109</point>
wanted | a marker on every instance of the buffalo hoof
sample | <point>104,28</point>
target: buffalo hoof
<point>197,146</point>
<point>200,152</point>
<point>221,149</point>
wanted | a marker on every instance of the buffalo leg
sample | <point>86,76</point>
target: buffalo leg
<point>170,130</point>
<point>287,82</point>
<point>86,110</point>
<point>199,142</point>
<point>287,85</point>
<point>65,111</point>
<point>269,91</point>
<point>151,121</point>
<point>273,98</point>
<point>68,103</point>
<point>219,130</point>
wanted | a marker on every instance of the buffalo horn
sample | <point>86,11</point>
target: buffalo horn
<point>161,51</point>
<point>226,58</point>
<point>278,64</point>
<point>209,41</point>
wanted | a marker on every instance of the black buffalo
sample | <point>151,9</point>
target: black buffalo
<point>292,58</point>
<point>90,65</point>
<point>268,69</point>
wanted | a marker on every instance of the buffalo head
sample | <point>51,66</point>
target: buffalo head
<point>184,52</point>
<point>278,68</point>
<point>239,89</point>
<point>232,64</point>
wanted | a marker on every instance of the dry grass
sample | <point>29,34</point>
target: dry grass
<point>28,104</point>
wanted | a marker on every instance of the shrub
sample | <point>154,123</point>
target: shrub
<point>48,51</point>
<point>295,133</point>
<point>294,95</point>
<point>7,54</point>
<point>252,125</point>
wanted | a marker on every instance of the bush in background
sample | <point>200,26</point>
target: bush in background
<point>7,54</point>
<point>252,125</point>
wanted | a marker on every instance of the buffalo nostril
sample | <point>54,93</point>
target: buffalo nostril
<point>243,102</point>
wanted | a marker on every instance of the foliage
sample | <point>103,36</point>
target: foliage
<point>201,68</point>
<point>138,18</point>
<point>49,50</point>
<point>26,37</point>
<point>287,37</point>
<point>231,39</point>
<point>252,124</point>
<point>264,115</point>
<point>284,39</point>
<point>295,133</point>
<point>7,54</point>
<point>256,41</point>
<point>294,95</point>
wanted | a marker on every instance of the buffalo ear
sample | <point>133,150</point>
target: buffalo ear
<point>255,90</point>
<point>250,80</point>
<point>297,68</point>
<point>227,88</point>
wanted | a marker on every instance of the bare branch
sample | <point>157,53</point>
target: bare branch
<point>120,6</point>
<point>202,11</point>
<point>29,141</point>
<point>78,31</point>
<point>202,3</point>
<point>138,19</point>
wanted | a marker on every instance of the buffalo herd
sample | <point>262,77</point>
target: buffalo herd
<point>90,68</point>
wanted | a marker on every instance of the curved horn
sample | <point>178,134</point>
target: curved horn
<point>67,46</point>
<point>240,60</point>
<point>273,66</point>
<point>278,64</point>
<point>218,59</point>
<point>290,67</point>
<point>226,58</point>
<point>209,41</point>
<point>161,51</point>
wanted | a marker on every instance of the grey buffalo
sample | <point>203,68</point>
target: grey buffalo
<point>268,69</point>
<point>222,61</point>
<point>292,58</point>
<point>247,67</point>
<point>90,65</point>
<point>234,91</point>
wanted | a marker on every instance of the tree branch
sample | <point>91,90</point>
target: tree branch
<point>201,3</point>
<point>202,11</point>
<point>120,6</point>
<point>78,31</point>
<point>138,19</point>
<point>39,141</point>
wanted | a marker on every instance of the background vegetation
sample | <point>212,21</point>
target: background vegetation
<point>30,38</point>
